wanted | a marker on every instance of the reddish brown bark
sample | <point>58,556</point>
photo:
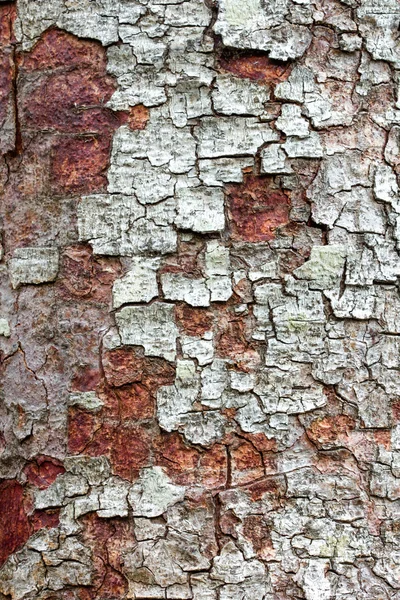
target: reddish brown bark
<point>256,209</point>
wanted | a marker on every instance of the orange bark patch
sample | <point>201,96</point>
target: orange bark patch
<point>136,402</point>
<point>122,366</point>
<point>229,522</point>
<point>213,467</point>
<point>127,446</point>
<point>272,488</point>
<point>185,260</point>
<point>384,438</point>
<point>251,65</point>
<point>14,524</point>
<point>127,365</point>
<point>396,410</point>
<point>8,15</point>
<point>80,164</point>
<point>81,427</point>
<point>63,89</point>
<point>17,523</point>
<point>86,379</point>
<point>7,70</point>
<point>246,463</point>
<point>58,49</point>
<point>107,540</point>
<point>256,209</point>
<point>43,471</point>
<point>329,429</point>
<point>69,102</point>
<point>256,530</point>
<point>232,340</point>
<point>6,90</point>
<point>64,138</point>
<point>178,459</point>
<point>86,276</point>
<point>128,395</point>
<point>133,401</point>
<point>193,321</point>
<point>261,442</point>
<point>45,519</point>
<point>187,466</point>
<point>138,117</point>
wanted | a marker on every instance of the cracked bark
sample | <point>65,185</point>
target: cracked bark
<point>199,300</point>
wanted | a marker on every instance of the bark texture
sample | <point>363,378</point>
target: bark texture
<point>199,299</point>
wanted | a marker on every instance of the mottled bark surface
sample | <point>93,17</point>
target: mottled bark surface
<point>199,299</point>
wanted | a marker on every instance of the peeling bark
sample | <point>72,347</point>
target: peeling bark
<point>199,299</point>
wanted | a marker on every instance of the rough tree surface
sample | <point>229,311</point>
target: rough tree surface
<point>199,299</point>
